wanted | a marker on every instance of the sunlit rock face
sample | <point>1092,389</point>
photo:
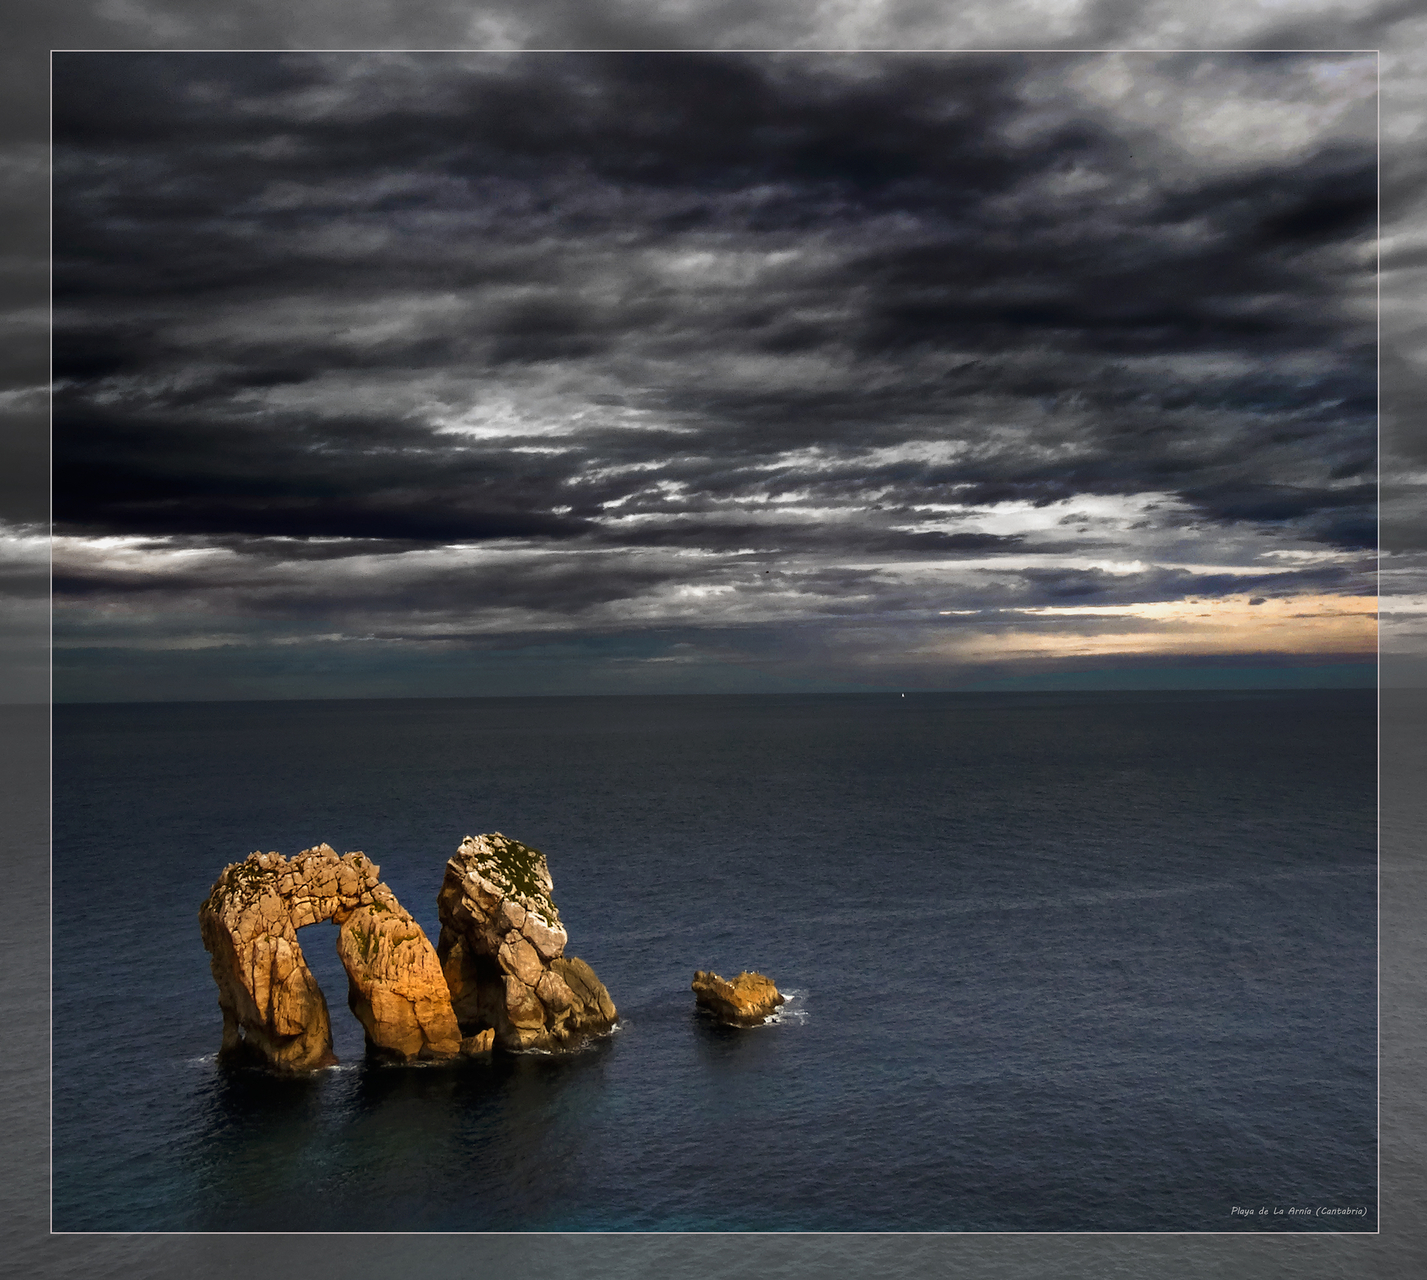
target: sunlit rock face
<point>745,1002</point>
<point>274,1013</point>
<point>502,949</point>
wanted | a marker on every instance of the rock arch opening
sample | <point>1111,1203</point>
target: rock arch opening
<point>500,976</point>
<point>274,1010</point>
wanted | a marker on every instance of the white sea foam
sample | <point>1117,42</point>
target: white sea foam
<point>585,1045</point>
<point>790,1010</point>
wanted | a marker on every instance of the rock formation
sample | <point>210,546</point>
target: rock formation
<point>502,949</point>
<point>273,1009</point>
<point>745,1002</point>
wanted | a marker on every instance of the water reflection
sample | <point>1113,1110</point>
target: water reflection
<point>720,1043</point>
<point>477,1144</point>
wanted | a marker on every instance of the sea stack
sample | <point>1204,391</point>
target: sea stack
<point>274,1012</point>
<point>502,949</point>
<point>744,1002</point>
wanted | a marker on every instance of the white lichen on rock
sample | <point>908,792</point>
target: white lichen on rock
<point>502,949</point>
<point>516,872</point>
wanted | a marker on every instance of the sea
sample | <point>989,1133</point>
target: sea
<point>1055,962</point>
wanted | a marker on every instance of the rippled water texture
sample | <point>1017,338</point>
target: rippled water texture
<point>1060,963</point>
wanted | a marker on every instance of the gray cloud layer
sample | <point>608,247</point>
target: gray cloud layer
<point>431,346</point>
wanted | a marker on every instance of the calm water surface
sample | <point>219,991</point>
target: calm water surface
<point>1058,962</point>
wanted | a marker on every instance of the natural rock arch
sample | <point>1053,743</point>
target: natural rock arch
<point>273,1008</point>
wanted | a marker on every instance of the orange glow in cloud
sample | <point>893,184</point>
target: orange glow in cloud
<point>1303,625</point>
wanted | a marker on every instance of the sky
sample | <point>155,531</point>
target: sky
<point>415,375</point>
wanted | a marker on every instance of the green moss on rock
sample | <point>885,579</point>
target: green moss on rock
<point>522,872</point>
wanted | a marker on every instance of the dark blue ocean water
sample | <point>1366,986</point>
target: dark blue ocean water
<point>1059,962</point>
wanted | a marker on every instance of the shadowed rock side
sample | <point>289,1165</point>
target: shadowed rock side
<point>502,949</point>
<point>745,1002</point>
<point>273,1009</point>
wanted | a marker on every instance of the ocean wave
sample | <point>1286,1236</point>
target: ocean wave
<point>790,1011</point>
<point>586,1044</point>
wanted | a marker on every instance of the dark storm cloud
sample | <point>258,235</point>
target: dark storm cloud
<point>1095,586</point>
<point>352,479</point>
<point>801,309</point>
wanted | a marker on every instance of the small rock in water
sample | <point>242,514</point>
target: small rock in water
<point>745,1002</point>
<point>481,1042</point>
